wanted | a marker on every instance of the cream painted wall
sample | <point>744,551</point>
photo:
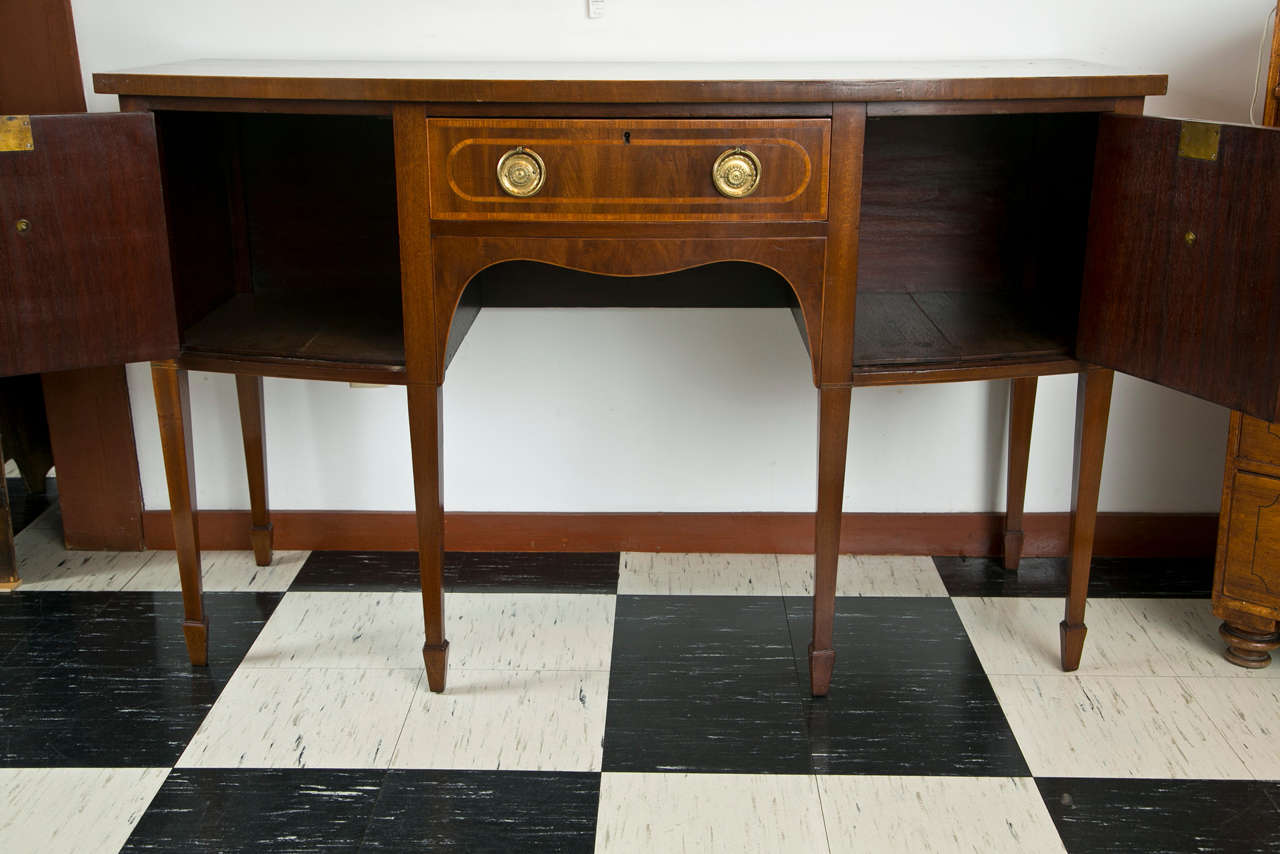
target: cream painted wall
<point>685,409</point>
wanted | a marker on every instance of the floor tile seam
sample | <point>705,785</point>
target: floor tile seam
<point>395,747</point>
<point>452,668</point>
<point>1213,721</point>
<point>822,811</point>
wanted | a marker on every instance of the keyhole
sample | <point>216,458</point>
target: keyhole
<point>626,137</point>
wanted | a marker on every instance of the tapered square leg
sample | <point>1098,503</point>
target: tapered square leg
<point>1093,406</point>
<point>1022,407</point>
<point>8,554</point>
<point>173,405</point>
<point>253,431</point>
<point>426,437</point>
<point>833,440</point>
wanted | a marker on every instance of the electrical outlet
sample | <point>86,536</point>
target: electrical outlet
<point>595,8</point>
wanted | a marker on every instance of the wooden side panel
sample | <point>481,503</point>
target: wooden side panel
<point>629,170</point>
<point>39,64</point>
<point>1260,440</point>
<point>86,282</point>
<point>1182,271</point>
<point>1252,569</point>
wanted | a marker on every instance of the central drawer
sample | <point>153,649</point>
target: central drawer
<point>578,170</point>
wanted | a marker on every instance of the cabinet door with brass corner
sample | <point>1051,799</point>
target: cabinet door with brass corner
<point>84,254</point>
<point>1182,268</point>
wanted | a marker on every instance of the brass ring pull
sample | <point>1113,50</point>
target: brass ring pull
<point>521,172</point>
<point>736,173</point>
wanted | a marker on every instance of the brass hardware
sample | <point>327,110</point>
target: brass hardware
<point>1190,238</point>
<point>23,226</point>
<point>1199,140</point>
<point>736,173</point>
<point>521,172</point>
<point>15,133</point>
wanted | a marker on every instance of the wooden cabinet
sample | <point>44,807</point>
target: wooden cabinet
<point>1246,581</point>
<point>923,222</point>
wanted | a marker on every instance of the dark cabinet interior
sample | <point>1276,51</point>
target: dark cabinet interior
<point>972,239</point>
<point>284,237</point>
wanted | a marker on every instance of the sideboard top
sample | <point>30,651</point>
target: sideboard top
<point>631,82</point>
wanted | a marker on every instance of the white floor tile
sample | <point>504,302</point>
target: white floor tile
<point>987,815</point>
<point>515,720</point>
<point>1186,632</point>
<point>45,564</point>
<point>1247,713</point>
<point>736,813</point>
<point>529,631</point>
<point>222,571</point>
<point>305,718</point>
<point>73,810</point>
<point>1114,726</point>
<point>678,574</point>
<point>341,629</point>
<point>866,575</point>
<point>486,631</point>
<point>1019,635</point>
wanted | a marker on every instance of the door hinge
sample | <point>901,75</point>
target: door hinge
<point>15,133</point>
<point>1199,140</point>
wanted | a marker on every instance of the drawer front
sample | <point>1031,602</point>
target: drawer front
<point>1252,570</point>
<point>628,170</point>
<point>1260,440</point>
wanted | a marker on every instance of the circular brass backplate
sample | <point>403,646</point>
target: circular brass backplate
<point>521,172</point>
<point>736,173</point>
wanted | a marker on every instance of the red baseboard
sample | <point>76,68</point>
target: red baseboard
<point>972,534</point>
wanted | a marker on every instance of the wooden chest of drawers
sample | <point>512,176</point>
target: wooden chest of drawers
<point>1246,583</point>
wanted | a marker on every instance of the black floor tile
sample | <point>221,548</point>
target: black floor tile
<point>908,696</point>
<point>496,572</point>
<point>485,811</point>
<point>1166,816</point>
<point>103,679</point>
<point>927,724</point>
<point>260,810</point>
<point>703,683</point>
<point>721,684</point>
<point>131,629</point>
<point>1178,578</point>
<point>297,810</point>
<point>68,716</point>
<point>904,635</point>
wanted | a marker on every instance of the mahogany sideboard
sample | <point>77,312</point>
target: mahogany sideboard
<point>925,222</point>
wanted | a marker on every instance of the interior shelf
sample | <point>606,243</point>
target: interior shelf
<point>359,330</point>
<point>950,330</point>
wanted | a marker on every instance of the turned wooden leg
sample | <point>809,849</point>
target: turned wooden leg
<point>249,393</point>
<point>426,437</point>
<point>833,442</point>
<point>1249,639</point>
<point>173,404</point>
<point>8,555</point>
<point>1093,404</point>
<point>1022,407</point>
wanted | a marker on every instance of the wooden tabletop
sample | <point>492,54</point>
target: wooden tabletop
<point>632,82</point>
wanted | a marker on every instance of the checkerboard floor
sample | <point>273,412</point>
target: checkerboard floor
<point>632,702</point>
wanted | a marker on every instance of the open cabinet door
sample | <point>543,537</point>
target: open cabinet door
<point>84,257</point>
<point>1182,270</point>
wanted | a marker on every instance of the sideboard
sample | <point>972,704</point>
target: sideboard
<point>924,222</point>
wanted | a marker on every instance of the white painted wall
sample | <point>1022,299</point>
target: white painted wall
<point>685,409</point>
